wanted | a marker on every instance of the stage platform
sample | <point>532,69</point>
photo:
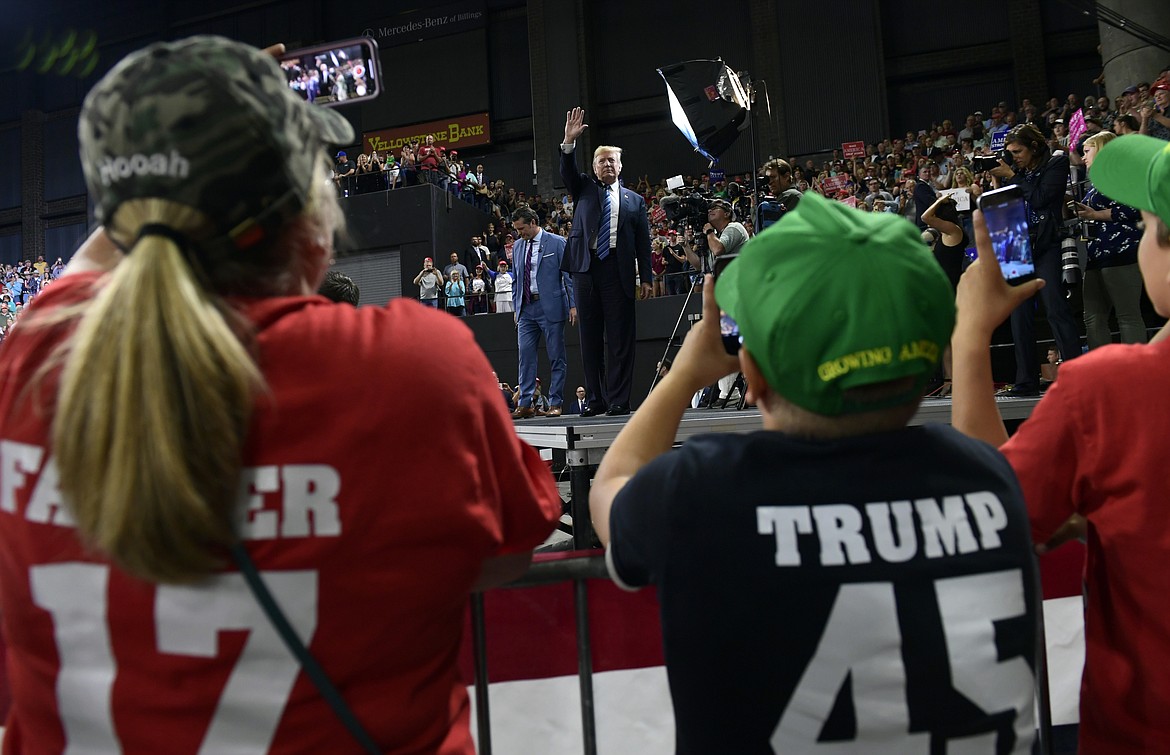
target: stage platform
<point>584,440</point>
<point>571,432</point>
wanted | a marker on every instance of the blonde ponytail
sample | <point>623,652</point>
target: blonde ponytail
<point>153,407</point>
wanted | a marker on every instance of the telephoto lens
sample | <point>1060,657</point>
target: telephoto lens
<point>1070,265</point>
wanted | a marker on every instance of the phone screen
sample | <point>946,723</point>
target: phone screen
<point>337,73</point>
<point>728,328</point>
<point>1007,223</point>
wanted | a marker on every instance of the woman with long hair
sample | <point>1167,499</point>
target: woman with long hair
<point>1113,280</point>
<point>1042,177</point>
<point>193,445</point>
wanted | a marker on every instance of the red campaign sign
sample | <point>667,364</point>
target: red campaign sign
<point>851,201</point>
<point>852,149</point>
<point>657,214</point>
<point>835,183</point>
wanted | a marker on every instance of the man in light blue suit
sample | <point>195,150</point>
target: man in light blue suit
<point>542,297</point>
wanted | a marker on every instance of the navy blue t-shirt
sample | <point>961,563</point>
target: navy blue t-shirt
<point>875,593</point>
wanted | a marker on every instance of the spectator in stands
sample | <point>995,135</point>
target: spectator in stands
<point>40,266</point>
<point>734,530</point>
<point>492,239</point>
<point>1126,124</point>
<point>456,292</point>
<point>509,241</point>
<point>429,281</point>
<point>1088,459</point>
<point>340,288</point>
<point>479,290</point>
<point>16,289</point>
<point>922,194</point>
<point>455,264</point>
<point>408,164</point>
<point>876,192</point>
<point>430,161</point>
<point>391,170</point>
<point>1059,138</point>
<point>343,171</point>
<point>477,188</point>
<point>658,267</point>
<point>478,254</point>
<point>365,164</point>
<point>502,285</point>
<point>964,180</point>
<point>1112,280</point>
<point>1155,119</point>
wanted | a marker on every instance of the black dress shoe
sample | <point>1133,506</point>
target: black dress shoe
<point>589,411</point>
<point>1019,391</point>
<point>617,410</point>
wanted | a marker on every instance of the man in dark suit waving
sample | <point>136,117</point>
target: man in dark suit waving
<point>542,298</point>
<point>610,240</point>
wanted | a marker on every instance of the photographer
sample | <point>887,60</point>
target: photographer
<point>1042,177</point>
<point>429,281</point>
<point>724,235</point>
<point>676,262</point>
<point>1112,280</point>
<point>778,174</point>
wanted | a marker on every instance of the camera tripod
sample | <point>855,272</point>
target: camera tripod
<point>739,382</point>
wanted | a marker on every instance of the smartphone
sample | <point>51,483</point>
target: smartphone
<point>728,328</point>
<point>1007,223</point>
<point>337,73</point>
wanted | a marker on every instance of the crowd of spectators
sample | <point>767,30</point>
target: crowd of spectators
<point>902,174</point>
<point>20,284</point>
<point>930,161</point>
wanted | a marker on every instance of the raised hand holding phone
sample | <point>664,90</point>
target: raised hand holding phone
<point>335,73</point>
<point>985,298</point>
<point>1006,223</point>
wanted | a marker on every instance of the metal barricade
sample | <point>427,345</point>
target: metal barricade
<point>578,567</point>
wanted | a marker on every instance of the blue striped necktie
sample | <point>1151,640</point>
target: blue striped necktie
<point>603,233</point>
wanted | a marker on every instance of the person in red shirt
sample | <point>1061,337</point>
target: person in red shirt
<point>430,160</point>
<point>181,413</point>
<point>1091,460</point>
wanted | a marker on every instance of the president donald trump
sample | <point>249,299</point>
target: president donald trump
<point>542,298</point>
<point>610,240</point>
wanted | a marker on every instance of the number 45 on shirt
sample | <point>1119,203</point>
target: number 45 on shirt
<point>862,641</point>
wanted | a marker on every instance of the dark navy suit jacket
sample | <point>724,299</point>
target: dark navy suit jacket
<point>633,232</point>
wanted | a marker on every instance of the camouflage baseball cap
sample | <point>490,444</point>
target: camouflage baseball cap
<point>210,123</point>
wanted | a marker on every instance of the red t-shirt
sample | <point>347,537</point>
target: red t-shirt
<point>380,472</point>
<point>429,156</point>
<point>1095,446</point>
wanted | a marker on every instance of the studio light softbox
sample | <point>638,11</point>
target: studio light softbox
<point>708,103</point>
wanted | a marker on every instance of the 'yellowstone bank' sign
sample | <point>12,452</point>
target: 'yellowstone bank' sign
<point>452,133</point>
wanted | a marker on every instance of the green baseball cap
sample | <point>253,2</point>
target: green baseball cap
<point>1135,170</point>
<point>206,122</point>
<point>832,298</point>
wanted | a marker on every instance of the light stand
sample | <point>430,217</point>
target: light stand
<point>710,104</point>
